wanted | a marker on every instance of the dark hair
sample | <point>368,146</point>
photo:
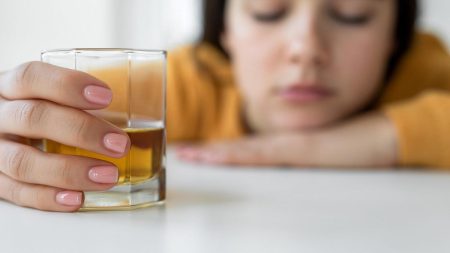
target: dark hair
<point>407,13</point>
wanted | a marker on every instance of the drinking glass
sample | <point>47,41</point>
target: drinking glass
<point>137,80</point>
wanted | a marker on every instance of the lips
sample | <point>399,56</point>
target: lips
<point>300,93</point>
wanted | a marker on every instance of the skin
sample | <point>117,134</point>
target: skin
<point>320,44</point>
<point>33,97</point>
<point>304,80</point>
<point>307,47</point>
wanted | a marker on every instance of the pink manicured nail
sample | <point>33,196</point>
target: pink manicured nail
<point>69,198</point>
<point>104,174</point>
<point>115,142</point>
<point>98,95</point>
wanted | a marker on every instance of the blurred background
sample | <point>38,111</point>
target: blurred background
<point>28,27</point>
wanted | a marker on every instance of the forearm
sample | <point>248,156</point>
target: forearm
<point>368,140</point>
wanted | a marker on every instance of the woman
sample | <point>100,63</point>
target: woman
<point>324,83</point>
<point>274,82</point>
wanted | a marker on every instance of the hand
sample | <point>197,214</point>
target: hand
<point>37,101</point>
<point>367,141</point>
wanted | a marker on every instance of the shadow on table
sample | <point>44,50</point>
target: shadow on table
<point>181,198</point>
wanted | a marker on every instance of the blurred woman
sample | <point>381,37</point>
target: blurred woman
<point>313,83</point>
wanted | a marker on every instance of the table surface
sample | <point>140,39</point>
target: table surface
<point>229,209</point>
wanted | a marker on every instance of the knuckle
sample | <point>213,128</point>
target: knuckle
<point>65,173</point>
<point>17,163</point>
<point>41,200</point>
<point>80,129</point>
<point>59,81</point>
<point>29,114</point>
<point>25,76</point>
<point>15,193</point>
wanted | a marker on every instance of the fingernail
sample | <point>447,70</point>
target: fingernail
<point>115,142</point>
<point>98,95</point>
<point>104,174</point>
<point>69,198</point>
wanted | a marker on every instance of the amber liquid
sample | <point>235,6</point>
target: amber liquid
<point>143,162</point>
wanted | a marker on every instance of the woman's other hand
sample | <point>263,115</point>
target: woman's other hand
<point>367,141</point>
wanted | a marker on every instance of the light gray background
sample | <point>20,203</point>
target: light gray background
<point>28,27</point>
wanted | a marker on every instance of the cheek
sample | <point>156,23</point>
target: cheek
<point>359,67</point>
<point>254,57</point>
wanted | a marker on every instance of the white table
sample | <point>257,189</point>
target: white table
<point>213,209</point>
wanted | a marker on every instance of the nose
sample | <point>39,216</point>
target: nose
<point>306,44</point>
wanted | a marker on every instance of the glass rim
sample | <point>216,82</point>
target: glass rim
<point>112,50</point>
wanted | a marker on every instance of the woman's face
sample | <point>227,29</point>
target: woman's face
<point>303,64</point>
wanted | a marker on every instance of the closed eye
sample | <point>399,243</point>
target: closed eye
<point>355,20</point>
<point>270,17</point>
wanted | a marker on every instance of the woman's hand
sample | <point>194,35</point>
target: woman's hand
<point>367,141</point>
<point>38,100</point>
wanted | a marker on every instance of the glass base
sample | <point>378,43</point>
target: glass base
<point>129,196</point>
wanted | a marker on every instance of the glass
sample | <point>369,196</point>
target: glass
<point>137,79</point>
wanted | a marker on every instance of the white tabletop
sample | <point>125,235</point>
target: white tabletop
<point>220,209</point>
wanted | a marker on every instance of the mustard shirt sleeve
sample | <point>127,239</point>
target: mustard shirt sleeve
<point>203,103</point>
<point>418,103</point>
<point>182,98</point>
<point>423,129</point>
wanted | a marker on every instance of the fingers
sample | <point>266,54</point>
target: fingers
<point>36,80</point>
<point>217,156</point>
<point>38,100</point>
<point>39,196</point>
<point>243,152</point>
<point>43,119</point>
<point>26,164</point>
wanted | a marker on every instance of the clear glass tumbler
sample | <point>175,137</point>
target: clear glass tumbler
<point>137,79</point>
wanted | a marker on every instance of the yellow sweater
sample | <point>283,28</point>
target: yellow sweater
<point>203,102</point>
